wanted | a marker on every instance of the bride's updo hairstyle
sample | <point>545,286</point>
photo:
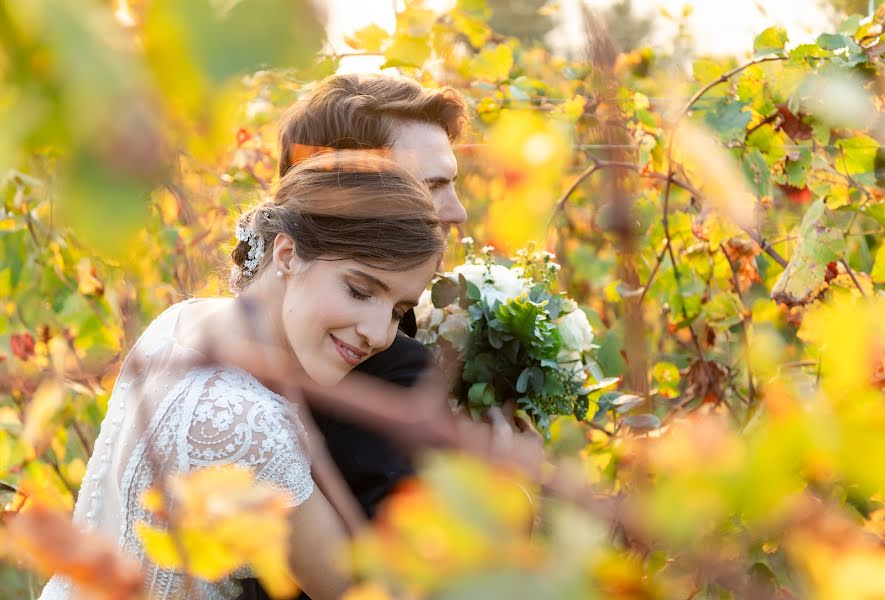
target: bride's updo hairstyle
<point>344,204</point>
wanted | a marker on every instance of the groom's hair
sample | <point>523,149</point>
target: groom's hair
<point>360,111</point>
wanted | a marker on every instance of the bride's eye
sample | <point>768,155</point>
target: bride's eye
<point>356,294</point>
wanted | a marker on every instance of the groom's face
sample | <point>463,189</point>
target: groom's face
<point>424,149</point>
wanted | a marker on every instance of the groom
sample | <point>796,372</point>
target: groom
<point>416,128</point>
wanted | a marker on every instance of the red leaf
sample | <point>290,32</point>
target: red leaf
<point>22,345</point>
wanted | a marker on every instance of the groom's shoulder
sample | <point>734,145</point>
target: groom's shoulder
<point>402,363</point>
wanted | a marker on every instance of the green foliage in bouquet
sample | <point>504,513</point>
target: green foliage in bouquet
<point>516,338</point>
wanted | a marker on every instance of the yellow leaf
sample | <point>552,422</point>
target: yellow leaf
<point>226,520</point>
<point>572,109</point>
<point>87,282</point>
<point>42,407</point>
<point>159,545</point>
<point>493,64</point>
<point>370,38</point>
<point>878,273</point>
<point>367,591</point>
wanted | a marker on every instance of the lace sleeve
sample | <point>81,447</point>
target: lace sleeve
<point>237,420</point>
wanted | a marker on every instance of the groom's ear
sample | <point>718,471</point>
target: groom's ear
<point>284,256</point>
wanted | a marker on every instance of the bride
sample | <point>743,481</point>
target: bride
<point>332,262</point>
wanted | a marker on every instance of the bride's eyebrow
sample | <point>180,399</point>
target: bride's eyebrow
<point>371,279</point>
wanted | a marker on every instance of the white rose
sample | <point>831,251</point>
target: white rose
<point>506,284</point>
<point>575,331</point>
<point>572,362</point>
<point>473,272</point>
<point>456,330</point>
<point>496,282</point>
<point>424,310</point>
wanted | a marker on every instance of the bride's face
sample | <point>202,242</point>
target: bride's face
<point>338,313</point>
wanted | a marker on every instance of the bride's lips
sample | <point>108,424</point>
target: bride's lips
<point>352,356</point>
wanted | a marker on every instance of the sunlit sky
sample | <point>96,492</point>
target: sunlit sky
<point>718,26</point>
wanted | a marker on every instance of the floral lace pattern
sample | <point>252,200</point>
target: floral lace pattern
<point>212,416</point>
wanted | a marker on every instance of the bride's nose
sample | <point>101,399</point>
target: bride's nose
<point>374,329</point>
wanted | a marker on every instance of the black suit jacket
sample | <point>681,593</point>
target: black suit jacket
<point>370,464</point>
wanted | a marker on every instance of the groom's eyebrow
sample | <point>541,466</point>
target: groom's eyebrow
<point>432,180</point>
<point>370,279</point>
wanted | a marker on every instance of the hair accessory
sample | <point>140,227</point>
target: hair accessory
<point>256,249</point>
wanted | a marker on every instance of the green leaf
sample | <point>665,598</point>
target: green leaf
<point>723,310</point>
<point>444,292</point>
<point>252,34</point>
<point>530,378</point>
<point>643,421</point>
<point>493,64</point>
<point>770,143</point>
<point>818,245</point>
<point>797,169</point>
<point>770,41</point>
<point>857,157</point>
<point>481,395</point>
<point>729,120</point>
<point>838,41</point>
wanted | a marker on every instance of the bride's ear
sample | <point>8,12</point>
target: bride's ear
<point>284,256</point>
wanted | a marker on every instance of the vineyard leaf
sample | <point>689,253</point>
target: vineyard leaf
<point>729,120</point>
<point>227,519</point>
<point>757,173</point>
<point>770,142</point>
<point>818,245</point>
<point>493,64</point>
<point>706,70</point>
<point>857,157</point>
<point>369,39</point>
<point>838,41</point>
<point>49,542</point>
<point>407,51</point>
<point>770,41</point>
<point>475,29</point>
<point>643,421</point>
<point>222,43</point>
<point>797,169</point>
<point>878,273</point>
<point>43,406</point>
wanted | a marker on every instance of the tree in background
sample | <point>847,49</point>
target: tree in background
<point>522,19</point>
<point>625,26</point>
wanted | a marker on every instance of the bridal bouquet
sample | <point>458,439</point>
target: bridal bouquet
<point>501,333</point>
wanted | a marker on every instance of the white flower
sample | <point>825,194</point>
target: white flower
<point>495,282</point>
<point>466,240</point>
<point>575,331</point>
<point>456,329</point>
<point>572,362</point>
<point>424,309</point>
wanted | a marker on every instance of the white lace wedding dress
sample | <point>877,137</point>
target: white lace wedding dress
<point>181,417</point>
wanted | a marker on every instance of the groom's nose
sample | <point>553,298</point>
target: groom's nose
<point>448,206</point>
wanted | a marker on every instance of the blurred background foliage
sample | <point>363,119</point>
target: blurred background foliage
<point>719,219</point>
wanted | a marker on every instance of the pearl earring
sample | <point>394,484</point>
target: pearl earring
<point>279,274</point>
